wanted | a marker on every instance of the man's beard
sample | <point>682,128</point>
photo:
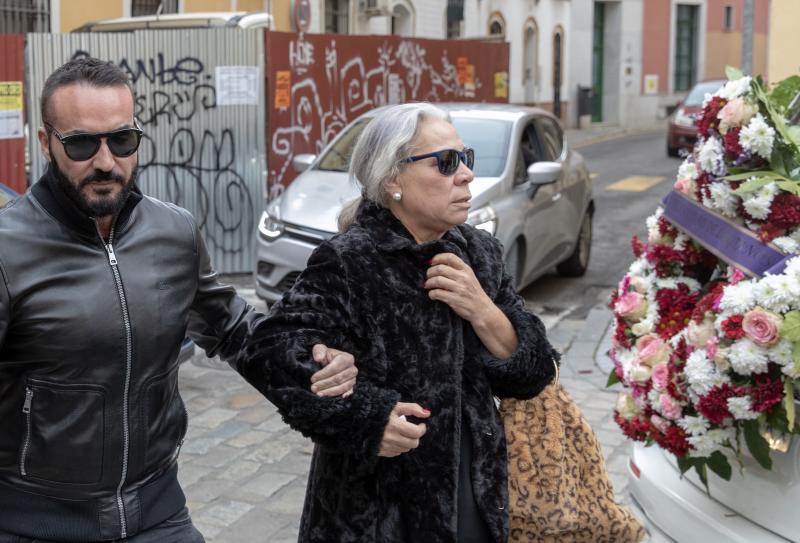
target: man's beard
<point>105,206</point>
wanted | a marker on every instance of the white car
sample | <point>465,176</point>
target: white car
<point>758,506</point>
<point>530,190</point>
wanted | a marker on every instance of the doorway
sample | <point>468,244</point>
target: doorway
<point>597,61</point>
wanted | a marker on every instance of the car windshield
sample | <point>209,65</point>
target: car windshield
<point>337,157</point>
<point>699,91</point>
<point>489,138</point>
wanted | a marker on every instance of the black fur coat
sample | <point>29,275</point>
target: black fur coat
<point>362,292</point>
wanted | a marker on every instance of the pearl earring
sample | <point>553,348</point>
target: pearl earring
<point>397,196</point>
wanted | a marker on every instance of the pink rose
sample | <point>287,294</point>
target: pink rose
<point>652,350</point>
<point>660,376</point>
<point>737,276</point>
<point>670,408</point>
<point>631,306</point>
<point>761,326</point>
<point>698,334</point>
<point>711,347</point>
<point>660,423</point>
<point>735,113</point>
<point>684,185</point>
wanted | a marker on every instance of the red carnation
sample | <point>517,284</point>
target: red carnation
<point>785,211</point>
<point>706,303</point>
<point>708,121</point>
<point>714,405</point>
<point>637,429</point>
<point>731,141</point>
<point>732,327</point>
<point>674,440</point>
<point>766,393</point>
<point>637,246</point>
<point>770,231</point>
<point>621,334</point>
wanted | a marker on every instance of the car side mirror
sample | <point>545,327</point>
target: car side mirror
<point>302,161</point>
<point>544,173</point>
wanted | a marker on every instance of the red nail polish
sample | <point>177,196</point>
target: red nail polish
<point>429,261</point>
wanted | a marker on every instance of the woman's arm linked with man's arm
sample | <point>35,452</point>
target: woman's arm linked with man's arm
<point>366,423</point>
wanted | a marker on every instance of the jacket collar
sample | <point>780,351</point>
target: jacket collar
<point>60,206</point>
<point>390,235</point>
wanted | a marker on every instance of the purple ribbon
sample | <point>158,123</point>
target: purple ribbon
<point>730,242</point>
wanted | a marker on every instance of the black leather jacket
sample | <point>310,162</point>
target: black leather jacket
<point>91,418</point>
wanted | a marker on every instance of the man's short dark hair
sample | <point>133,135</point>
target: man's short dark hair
<point>87,70</point>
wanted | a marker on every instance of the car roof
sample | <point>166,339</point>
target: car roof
<point>480,110</point>
<point>209,19</point>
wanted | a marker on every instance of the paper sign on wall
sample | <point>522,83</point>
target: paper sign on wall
<point>11,123</point>
<point>651,84</point>
<point>501,84</point>
<point>283,89</point>
<point>237,85</point>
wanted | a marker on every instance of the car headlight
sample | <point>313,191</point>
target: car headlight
<point>270,227</point>
<point>682,118</point>
<point>483,218</point>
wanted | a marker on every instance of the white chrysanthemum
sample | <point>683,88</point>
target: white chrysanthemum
<point>787,245</point>
<point>738,298</point>
<point>723,199</point>
<point>781,353</point>
<point>680,242</point>
<point>758,137</point>
<point>700,372</point>
<point>747,358</point>
<point>695,426</point>
<point>639,267</point>
<point>758,208</point>
<point>735,89</point>
<point>625,357</point>
<point>688,170</point>
<point>741,407</point>
<point>711,441</point>
<point>710,157</point>
<point>777,293</point>
<point>793,268</point>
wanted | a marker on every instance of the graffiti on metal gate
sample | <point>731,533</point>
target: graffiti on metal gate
<point>319,83</point>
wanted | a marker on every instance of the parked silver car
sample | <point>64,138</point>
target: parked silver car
<point>530,190</point>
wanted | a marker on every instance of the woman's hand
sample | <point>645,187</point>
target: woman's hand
<point>400,436</point>
<point>451,281</point>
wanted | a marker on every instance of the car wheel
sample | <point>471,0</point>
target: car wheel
<point>673,151</point>
<point>513,263</point>
<point>578,261</point>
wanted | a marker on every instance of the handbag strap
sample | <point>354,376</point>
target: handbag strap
<point>558,375</point>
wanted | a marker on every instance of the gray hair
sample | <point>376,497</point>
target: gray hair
<point>388,138</point>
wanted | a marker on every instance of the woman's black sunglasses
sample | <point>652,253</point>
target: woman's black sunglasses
<point>447,159</point>
<point>79,147</point>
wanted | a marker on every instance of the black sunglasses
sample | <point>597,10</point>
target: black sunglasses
<point>79,147</point>
<point>447,159</point>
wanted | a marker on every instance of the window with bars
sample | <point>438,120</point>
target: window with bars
<point>685,73</point>
<point>337,16</point>
<point>727,20</point>
<point>21,16</point>
<point>454,16</point>
<point>150,7</point>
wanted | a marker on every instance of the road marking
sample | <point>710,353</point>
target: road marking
<point>635,183</point>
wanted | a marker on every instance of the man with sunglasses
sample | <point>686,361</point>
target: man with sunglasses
<point>98,286</point>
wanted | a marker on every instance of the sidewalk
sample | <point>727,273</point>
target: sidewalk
<point>244,471</point>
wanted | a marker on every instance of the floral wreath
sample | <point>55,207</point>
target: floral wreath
<point>708,350</point>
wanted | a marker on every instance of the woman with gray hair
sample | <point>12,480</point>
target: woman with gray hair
<point>417,451</point>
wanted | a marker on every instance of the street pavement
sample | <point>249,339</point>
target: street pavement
<point>244,471</point>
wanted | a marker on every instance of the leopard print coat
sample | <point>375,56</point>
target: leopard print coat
<point>362,292</point>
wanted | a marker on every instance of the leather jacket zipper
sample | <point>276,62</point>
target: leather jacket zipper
<point>112,262</point>
<point>26,408</point>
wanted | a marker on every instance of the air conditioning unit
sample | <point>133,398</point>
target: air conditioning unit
<point>374,8</point>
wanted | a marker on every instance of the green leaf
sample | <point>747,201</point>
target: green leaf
<point>754,184</point>
<point>789,186</point>
<point>733,73</point>
<point>788,399</point>
<point>796,356</point>
<point>702,472</point>
<point>784,92</point>
<point>718,463</point>
<point>790,327</point>
<point>685,463</point>
<point>612,378</point>
<point>758,446</point>
<point>748,175</point>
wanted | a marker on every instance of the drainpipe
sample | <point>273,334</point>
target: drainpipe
<point>747,37</point>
